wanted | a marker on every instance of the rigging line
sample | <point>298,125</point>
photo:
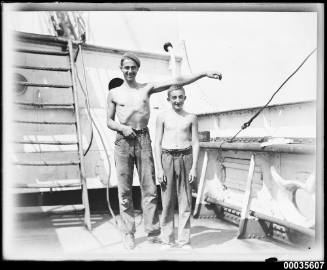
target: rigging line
<point>103,143</point>
<point>245,125</point>
<point>87,103</point>
<point>248,123</point>
<point>204,96</point>
<point>109,173</point>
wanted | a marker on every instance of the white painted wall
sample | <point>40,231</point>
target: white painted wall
<point>255,51</point>
<point>296,120</point>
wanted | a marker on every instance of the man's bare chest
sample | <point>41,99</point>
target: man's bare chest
<point>134,99</point>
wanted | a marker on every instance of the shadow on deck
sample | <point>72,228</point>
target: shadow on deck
<point>50,233</point>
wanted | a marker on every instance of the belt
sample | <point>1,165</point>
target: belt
<point>187,150</point>
<point>141,131</point>
<point>136,131</point>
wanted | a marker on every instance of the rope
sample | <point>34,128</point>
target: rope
<point>248,123</point>
<point>88,107</point>
<point>102,141</point>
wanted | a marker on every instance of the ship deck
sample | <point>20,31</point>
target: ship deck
<point>57,233</point>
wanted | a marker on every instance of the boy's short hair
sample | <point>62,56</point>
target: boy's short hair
<point>130,56</point>
<point>175,87</point>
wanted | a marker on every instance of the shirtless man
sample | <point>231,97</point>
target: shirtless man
<point>176,155</point>
<point>130,103</point>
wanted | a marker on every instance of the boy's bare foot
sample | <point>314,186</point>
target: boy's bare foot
<point>167,245</point>
<point>183,245</point>
<point>154,240</point>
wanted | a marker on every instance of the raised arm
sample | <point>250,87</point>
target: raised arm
<point>195,148</point>
<point>111,123</point>
<point>183,80</point>
<point>157,150</point>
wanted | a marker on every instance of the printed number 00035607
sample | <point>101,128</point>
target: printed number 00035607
<point>303,265</point>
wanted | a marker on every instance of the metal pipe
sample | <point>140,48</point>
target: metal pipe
<point>46,142</point>
<point>45,85</point>
<point>44,122</point>
<point>42,68</point>
<point>45,104</point>
<point>47,185</point>
<point>41,52</point>
<point>168,47</point>
<point>43,163</point>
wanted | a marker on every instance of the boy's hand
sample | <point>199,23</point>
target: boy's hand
<point>214,75</point>
<point>162,179</point>
<point>192,175</point>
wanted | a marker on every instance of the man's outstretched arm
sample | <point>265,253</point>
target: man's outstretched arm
<point>183,80</point>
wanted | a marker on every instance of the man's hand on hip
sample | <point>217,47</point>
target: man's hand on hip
<point>128,131</point>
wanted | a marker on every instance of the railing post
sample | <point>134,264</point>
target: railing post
<point>246,200</point>
<point>201,183</point>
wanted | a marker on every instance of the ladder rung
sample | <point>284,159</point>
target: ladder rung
<point>45,104</point>
<point>47,142</point>
<point>45,122</point>
<point>42,68</point>
<point>44,163</point>
<point>45,85</point>
<point>41,52</point>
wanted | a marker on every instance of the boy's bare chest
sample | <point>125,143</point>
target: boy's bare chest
<point>177,123</point>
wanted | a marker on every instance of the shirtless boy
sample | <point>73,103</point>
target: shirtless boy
<point>130,103</point>
<point>176,152</point>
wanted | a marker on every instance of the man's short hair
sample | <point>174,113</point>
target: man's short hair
<point>130,56</point>
<point>175,87</point>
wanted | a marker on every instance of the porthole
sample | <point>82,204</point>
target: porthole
<point>20,89</point>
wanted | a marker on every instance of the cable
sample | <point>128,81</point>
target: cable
<point>88,106</point>
<point>87,103</point>
<point>102,141</point>
<point>248,123</point>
